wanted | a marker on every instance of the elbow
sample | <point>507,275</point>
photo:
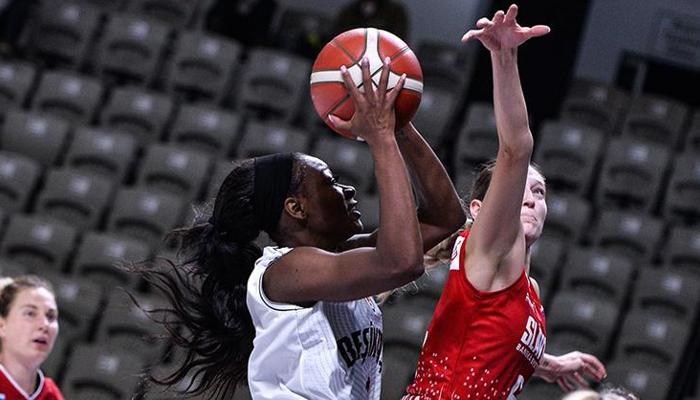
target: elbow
<point>409,268</point>
<point>521,146</point>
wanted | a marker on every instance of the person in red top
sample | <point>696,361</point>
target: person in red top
<point>488,334</point>
<point>28,330</point>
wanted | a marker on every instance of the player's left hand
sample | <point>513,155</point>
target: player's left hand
<point>570,370</point>
<point>502,32</point>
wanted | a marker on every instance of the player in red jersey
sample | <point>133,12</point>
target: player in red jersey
<point>28,330</point>
<point>487,336</point>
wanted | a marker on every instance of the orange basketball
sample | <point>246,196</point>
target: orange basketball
<point>328,91</point>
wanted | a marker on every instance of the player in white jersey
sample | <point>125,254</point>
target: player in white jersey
<point>298,318</point>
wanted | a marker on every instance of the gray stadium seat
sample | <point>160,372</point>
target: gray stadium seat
<point>127,329</point>
<point>656,119</point>
<point>632,174</point>
<point>272,84</point>
<point>16,81</point>
<point>203,66</point>
<point>11,268</point>
<point>143,214</point>
<point>407,321</point>
<point>63,32</point>
<point>40,137</point>
<point>568,154</point>
<point>221,170</point>
<point>478,139</point>
<point>174,170</point>
<point>102,152</point>
<point>176,13</point>
<point>682,250</point>
<point>597,274</point>
<point>594,104</point>
<point>368,204</point>
<point>567,217</point>
<point>546,256</point>
<point>69,96</point>
<point>445,65</point>
<point>38,244</point>
<point>139,112</point>
<point>76,198</point>
<point>630,234</point>
<point>260,138</point>
<point>351,160</point>
<point>692,140</point>
<point>131,48</point>
<point>435,114</point>
<point>398,369</point>
<point>98,254</point>
<point>95,373</point>
<point>683,190</point>
<point>646,382</point>
<point>19,177</point>
<point>667,293</point>
<point>206,128</point>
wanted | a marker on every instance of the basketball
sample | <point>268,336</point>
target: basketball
<point>328,91</point>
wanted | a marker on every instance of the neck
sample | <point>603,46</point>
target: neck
<point>23,375</point>
<point>527,260</point>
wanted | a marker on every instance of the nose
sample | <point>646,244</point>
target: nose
<point>528,198</point>
<point>348,192</point>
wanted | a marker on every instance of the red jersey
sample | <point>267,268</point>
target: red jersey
<point>10,390</point>
<point>479,345</point>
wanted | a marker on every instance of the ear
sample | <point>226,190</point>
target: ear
<point>474,207</point>
<point>295,208</point>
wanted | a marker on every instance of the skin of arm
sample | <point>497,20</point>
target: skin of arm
<point>308,274</point>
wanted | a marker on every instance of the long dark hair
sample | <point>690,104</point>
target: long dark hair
<point>209,323</point>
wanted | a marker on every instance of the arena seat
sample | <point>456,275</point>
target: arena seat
<point>407,321</point>
<point>175,13</point>
<point>632,174</point>
<point>594,104</point>
<point>11,268</point>
<point>67,95</point>
<point>19,177</point>
<point>435,114</point>
<point>445,65</point>
<point>37,243</point>
<point>220,171</point>
<point>601,275</point>
<point>546,257</point>
<point>171,169</point>
<point>75,198</point>
<point>260,138</point>
<point>95,373</point>
<point>350,160</point>
<point>656,119</point>
<point>645,381</point>
<point>131,49</point>
<point>16,81</point>
<point>102,152</point>
<point>692,140</point>
<point>41,137</point>
<point>567,217</point>
<point>203,66</point>
<point>630,234</point>
<point>126,329</point>
<point>145,215</point>
<point>79,302</point>
<point>568,154</point>
<point>667,293</point>
<point>581,322</point>
<point>206,128</point>
<point>368,204</point>
<point>141,113</point>
<point>478,138</point>
<point>398,368</point>
<point>683,191</point>
<point>63,32</point>
<point>97,255</point>
<point>682,250</point>
<point>271,84</point>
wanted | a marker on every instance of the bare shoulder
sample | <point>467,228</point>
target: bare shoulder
<point>535,285</point>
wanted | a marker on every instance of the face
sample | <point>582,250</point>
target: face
<point>534,207</point>
<point>331,206</point>
<point>533,210</point>
<point>29,330</point>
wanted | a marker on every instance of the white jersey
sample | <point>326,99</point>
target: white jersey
<point>327,351</point>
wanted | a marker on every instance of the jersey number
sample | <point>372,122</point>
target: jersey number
<point>516,388</point>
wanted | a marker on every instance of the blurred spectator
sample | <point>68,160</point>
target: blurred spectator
<point>389,15</point>
<point>247,21</point>
<point>28,330</point>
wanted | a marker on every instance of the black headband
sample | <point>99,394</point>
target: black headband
<point>273,175</point>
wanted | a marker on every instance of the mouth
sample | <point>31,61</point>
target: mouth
<point>352,209</point>
<point>41,341</point>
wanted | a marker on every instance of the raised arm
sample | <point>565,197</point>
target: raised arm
<point>498,225</point>
<point>440,212</point>
<point>309,274</point>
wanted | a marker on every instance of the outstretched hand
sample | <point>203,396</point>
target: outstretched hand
<point>374,108</point>
<point>570,370</point>
<point>502,32</point>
